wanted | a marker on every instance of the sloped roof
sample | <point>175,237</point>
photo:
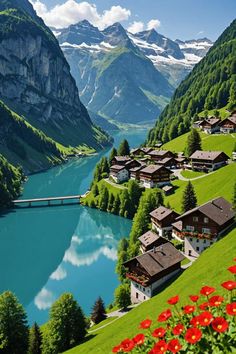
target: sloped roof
<point>207,155</point>
<point>149,238</point>
<point>161,213</point>
<point>117,168</point>
<point>122,158</point>
<point>158,260</point>
<point>219,210</point>
<point>150,169</point>
<point>158,152</point>
<point>210,121</point>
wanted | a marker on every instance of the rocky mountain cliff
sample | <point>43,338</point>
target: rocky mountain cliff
<point>36,81</point>
<point>124,77</point>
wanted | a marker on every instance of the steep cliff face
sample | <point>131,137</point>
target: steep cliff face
<point>35,78</point>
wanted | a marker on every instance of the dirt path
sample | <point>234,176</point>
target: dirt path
<point>178,174</point>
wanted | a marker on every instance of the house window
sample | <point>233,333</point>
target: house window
<point>205,230</point>
<point>190,239</point>
<point>197,240</point>
<point>189,228</point>
<point>206,220</point>
<point>144,298</point>
<point>136,295</point>
<point>190,253</point>
<point>143,289</point>
<point>197,248</point>
<point>195,218</point>
<point>204,241</point>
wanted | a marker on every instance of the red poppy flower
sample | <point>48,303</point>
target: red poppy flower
<point>127,345</point>
<point>160,347</point>
<point>207,290</point>
<point>159,332</point>
<point>205,318</point>
<point>219,324</point>
<point>178,329</point>
<point>203,306</point>
<point>195,321</point>
<point>189,309</point>
<point>145,324</point>
<point>231,309</point>
<point>232,269</point>
<point>229,285</point>
<point>139,339</point>
<point>116,349</point>
<point>164,316</point>
<point>174,346</point>
<point>234,259</point>
<point>193,335</point>
<point>194,298</point>
<point>216,301</point>
<point>173,300</point>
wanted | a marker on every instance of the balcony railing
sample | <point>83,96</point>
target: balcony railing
<point>140,279</point>
<point>198,234</point>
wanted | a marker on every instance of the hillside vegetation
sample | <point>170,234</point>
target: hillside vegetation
<point>211,84</point>
<point>214,260</point>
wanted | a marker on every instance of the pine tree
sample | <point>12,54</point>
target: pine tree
<point>125,204</point>
<point>124,148</point>
<point>189,200</point>
<point>112,155</point>
<point>110,202</point>
<point>13,325</point>
<point>193,142</point>
<point>66,326</point>
<point>95,190</point>
<point>135,193</point>
<point>98,312</point>
<point>116,205</point>
<point>103,199</point>
<point>35,340</point>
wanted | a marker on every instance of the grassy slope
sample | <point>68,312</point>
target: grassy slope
<point>192,174</point>
<point>224,142</point>
<point>111,189</point>
<point>219,183</point>
<point>209,269</point>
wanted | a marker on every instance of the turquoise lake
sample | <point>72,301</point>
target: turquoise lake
<point>46,251</point>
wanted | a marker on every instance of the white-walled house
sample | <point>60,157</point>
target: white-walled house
<point>162,219</point>
<point>119,173</point>
<point>151,270</point>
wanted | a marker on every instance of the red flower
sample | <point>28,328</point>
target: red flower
<point>139,339</point>
<point>193,335</point>
<point>203,306</point>
<point>207,290</point>
<point>219,324</point>
<point>189,309</point>
<point>231,309</point>
<point>164,316</point>
<point>127,345</point>
<point>160,347</point>
<point>178,329</point>
<point>159,332</point>
<point>229,285</point>
<point>205,318</point>
<point>195,321</point>
<point>173,300</point>
<point>145,324</point>
<point>116,349</point>
<point>194,298</point>
<point>215,301</point>
<point>232,269</point>
<point>174,346</point>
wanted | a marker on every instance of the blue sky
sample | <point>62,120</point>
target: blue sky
<point>184,19</point>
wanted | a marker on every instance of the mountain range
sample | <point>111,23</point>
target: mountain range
<point>42,114</point>
<point>124,77</point>
<point>211,85</point>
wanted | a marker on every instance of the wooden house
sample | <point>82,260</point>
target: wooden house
<point>169,162</point>
<point>162,219</point>
<point>202,226</point>
<point>228,125</point>
<point>120,160</point>
<point>210,125</point>
<point>155,176</point>
<point>157,155</point>
<point>149,271</point>
<point>208,160</point>
<point>150,240</point>
<point>119,173</point>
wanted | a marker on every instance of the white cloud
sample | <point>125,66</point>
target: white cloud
<point>71,12</point>
<point>136,26</point>
<point>59,274</point>
<point>153,24</point>
<point>44,299</point>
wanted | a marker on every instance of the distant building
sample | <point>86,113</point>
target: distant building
<point>157,155</point>
<point>210,125</point>
<point>119,173</point>
<point>196,124</point>
<point>162,219</point>
<point>208,160</point>
<point>155,176</point>
<point>150,240</point>
<point>149,271</point>
<point>120,160</point>
<point>135,172</point>
<point>202,226</point>
<point>169,162</point>
<point>228,125</point>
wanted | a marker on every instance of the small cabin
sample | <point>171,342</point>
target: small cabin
<point>157,155</point>
<point>210,125</point>
<point>150,240</point>
<point>119,173</point>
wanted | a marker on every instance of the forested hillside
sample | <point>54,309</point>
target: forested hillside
<point>211,85</point>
